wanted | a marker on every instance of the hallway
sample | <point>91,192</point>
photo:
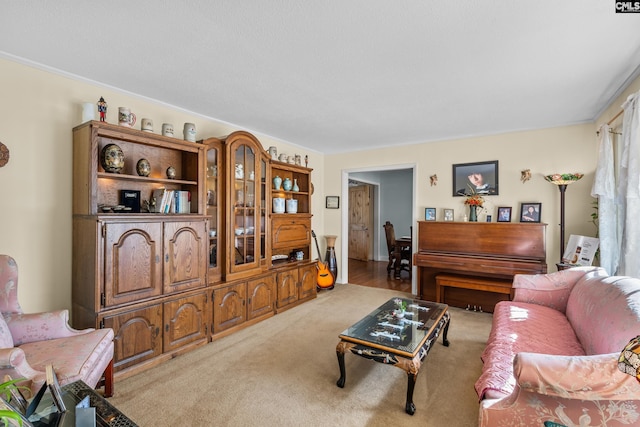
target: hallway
<point>374,274</point>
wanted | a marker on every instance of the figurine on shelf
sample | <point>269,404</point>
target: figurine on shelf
<point>102,109</point>
<point>306,161</point>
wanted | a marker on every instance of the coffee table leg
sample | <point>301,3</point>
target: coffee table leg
<point>445,341</point>
<point>340,349</point>
<point>410,408</point>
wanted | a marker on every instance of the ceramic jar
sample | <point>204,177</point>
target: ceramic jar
<point>295,185</point>
<point>171,172</point>
<point>278,205</point>
<point>277,182</point>
<point>292,206</point>
<point>287,184</point>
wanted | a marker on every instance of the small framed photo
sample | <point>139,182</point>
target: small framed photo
<point>429,214</point>
<point>448,215</point>
<point>479,178</point>
<point>488,218</point>
<point>333,202</point>
<point>530,212</point>
<point>504,214</point>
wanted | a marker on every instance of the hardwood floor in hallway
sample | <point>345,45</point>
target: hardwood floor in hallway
<point>374,274</point>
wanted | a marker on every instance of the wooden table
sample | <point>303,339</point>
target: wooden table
<point>385,337</point>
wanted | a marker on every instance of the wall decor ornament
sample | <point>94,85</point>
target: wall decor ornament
<point>525,175</point>
<point>112,158</point>
<point>4,154</point>
<point>433,179</point>
<point>333,202</point>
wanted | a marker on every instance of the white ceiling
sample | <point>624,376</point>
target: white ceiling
<point>343,75</point>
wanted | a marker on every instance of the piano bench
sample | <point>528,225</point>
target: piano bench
<point>488,284</point>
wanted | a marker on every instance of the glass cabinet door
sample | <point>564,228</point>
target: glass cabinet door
<point>213,209</point>
<point>246,217</point>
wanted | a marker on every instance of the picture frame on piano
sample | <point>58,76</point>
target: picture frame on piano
<point>530,212</point>
<point>448,214</point>
<point>429,214</point>
<point>504,214</point>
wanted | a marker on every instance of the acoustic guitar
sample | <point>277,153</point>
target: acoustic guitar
<point>325,279</point>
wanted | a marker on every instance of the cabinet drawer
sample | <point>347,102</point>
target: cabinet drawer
<point>288,231</point>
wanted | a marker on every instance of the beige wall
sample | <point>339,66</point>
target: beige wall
<point>546,151</point>
<point>38,110</point>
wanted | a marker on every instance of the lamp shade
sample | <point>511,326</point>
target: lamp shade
<point>629,360</point>
<point>563,178</point>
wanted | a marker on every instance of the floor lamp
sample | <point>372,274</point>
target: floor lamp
<point>562,180</point>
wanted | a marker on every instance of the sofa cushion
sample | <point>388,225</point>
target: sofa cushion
<point>6,340</point>
<point>73,358</point>
<point>518,327</point>
<point>604,312</point>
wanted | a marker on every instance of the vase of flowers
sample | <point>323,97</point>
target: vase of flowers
<point>401,307</point>
<point>474,201</point>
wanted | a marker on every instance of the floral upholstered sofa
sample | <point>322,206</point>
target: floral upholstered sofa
<point>552,355</point>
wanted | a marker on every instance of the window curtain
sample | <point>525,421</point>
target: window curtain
<point>628,196</point>
<point>604,189</point>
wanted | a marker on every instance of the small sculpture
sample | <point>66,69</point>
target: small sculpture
<point>102,109</point>
<point>306,161</point>
<point>525,175</point>
<point>171,172</point>
<point>434,179</point>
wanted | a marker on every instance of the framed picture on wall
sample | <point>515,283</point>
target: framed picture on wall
<point>480,178</point>
<point>530,212</point>
<point>333,202</point>
<point>504,214</point>
<point>430,214</point>
<point>448,215</point>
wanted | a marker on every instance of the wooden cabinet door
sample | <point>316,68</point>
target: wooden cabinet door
<point>132,261</point>
<point>185,321</point>
<point>137,335</point>
<point>308,282</point>
<point>288,232</point>
<point>287,282</point>
<point>185,255</point>
<point>229,307</point>
<point>262,297</point>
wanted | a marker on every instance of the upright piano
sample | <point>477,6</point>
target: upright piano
<point>477,249</point>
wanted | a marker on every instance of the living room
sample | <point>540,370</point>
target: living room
<point>41,105</point>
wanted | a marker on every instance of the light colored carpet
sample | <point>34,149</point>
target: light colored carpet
<point>283,372</point>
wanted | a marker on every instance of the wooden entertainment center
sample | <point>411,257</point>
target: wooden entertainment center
<point>169,282</point>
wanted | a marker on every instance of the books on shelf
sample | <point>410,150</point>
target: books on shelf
<point>172,201</point>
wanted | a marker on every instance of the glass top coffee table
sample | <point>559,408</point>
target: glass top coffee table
<point>402,339</point>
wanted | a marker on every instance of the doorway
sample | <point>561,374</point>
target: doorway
<point>392,196</point>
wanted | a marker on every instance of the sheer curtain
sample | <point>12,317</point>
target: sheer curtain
<point>629,189</point>
<point>604,189</point>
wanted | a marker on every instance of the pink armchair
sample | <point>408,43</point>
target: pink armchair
<point>29,342</point>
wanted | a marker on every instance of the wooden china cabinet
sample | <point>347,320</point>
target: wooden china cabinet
<point>167,282</point>
<point>142,274</point>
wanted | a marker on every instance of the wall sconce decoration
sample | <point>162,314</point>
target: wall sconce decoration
<point>4,154</point>
<point>525,175</point>
<point>434,179</point>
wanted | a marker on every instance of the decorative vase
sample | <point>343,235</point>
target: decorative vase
<point>398,313</point>
<point>278,205</point>
<point>473,217</point>
<point>295,185</point>
<point>112,158</point>
<point>143,167</point>
<point>277,182</point>
<point>287,184</point>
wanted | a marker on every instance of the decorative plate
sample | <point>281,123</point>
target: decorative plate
<point>4,154</point>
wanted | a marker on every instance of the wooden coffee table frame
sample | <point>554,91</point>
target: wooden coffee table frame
<point>408,362</point>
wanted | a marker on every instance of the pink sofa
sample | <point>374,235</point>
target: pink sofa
<point>552,353</point>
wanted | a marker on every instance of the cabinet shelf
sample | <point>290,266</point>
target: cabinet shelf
<point>133,178</point>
